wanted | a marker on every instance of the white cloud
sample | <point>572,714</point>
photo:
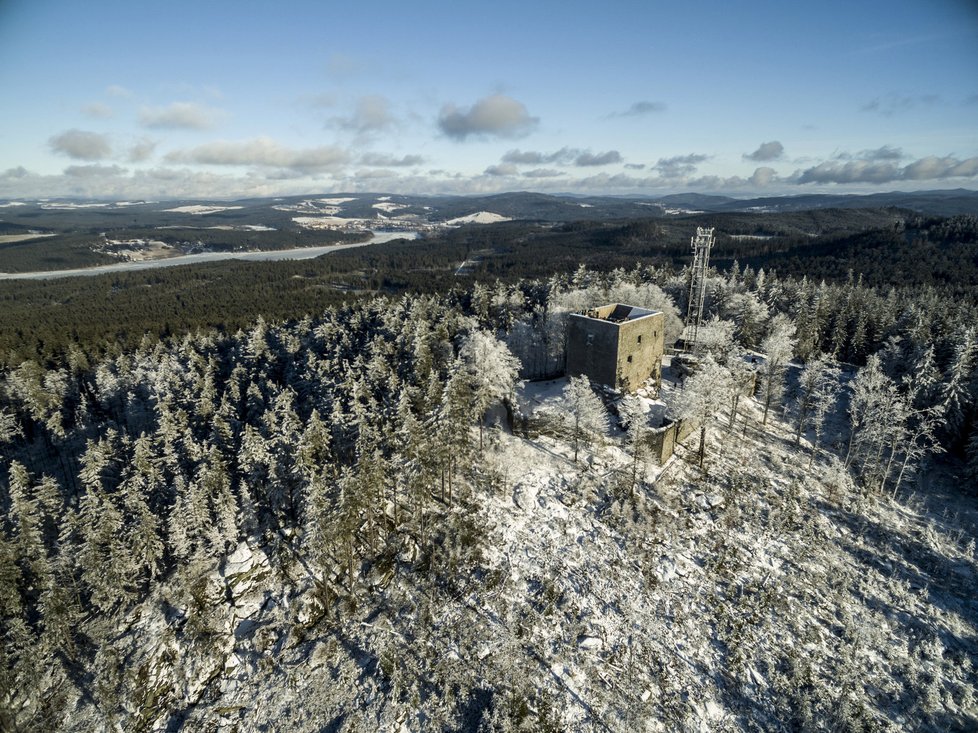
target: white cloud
<point>389,161</point>
<point>543,173</point>
<point>876,171</point>
<point>263,152</point>
<point>18,172</point>
<point>375,174</point>
<point>766,151</point>
<point>640,109</point>
<point>564,156</point>
<point>593,159</point>
<point>503,169</point>
<point>142,150</point>
<point>81,145</point>
<point>94,171</point>
<point>114,90</point>
<point>763,176</point>
<point>493,116</point>
<point>679,166</point>
<point>372,114</point>
<point>97,110</point>
<point>893,104</point>
<point>180,115</point>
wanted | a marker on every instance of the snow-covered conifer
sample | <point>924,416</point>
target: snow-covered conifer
<point>26,516</point>
<point>777,347</point>
<point>956,393</point>
<point>586,417</point>
<point>636,422</point>
<point>492,369</point>
<point>705,393</point>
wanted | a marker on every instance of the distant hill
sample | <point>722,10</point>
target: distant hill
<point>934,203</point>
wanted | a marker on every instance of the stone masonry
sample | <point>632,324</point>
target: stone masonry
<point>617,345</point>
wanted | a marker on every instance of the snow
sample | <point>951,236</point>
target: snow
<point>715,598</point>
<point>322,222</point>
<point>481,217</point>
<point>65,206</point>
<point>389,206</point>
<point>201,209</point>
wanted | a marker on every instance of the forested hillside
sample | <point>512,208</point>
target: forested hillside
<point>907,257</point>
<point>325,522</point>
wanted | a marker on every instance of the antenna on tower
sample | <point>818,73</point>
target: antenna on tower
<point>702,243</point>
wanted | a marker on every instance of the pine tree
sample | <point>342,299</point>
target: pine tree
<point>636,423</point>
<point>28,538</point>
<point>818,376</point>
<point>971,459</point>
<point>104,558</point>
<point>956,393</point>
<point>491,369</point>
<point>586,416</point>
<point>777,347</point>
<point>706,392</point>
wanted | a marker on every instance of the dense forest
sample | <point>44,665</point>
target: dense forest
<point>327,488</point>
<point>896,252</point>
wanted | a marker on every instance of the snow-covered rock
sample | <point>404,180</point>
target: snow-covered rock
<point>590,643</point>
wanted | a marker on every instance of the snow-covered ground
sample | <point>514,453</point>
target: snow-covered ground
<point>762,595</point>
<point>389,206</point>
<point>480,217</point>
<point>201,209</point>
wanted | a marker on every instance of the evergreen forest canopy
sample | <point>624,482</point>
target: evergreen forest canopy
<point>887,249</point>
<point>174,440</point>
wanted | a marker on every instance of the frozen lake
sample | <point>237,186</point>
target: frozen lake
<point>299,253</point>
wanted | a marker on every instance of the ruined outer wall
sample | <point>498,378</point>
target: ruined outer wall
<point>590,346</point>
<point>662,441</point>
<point>643,341</point>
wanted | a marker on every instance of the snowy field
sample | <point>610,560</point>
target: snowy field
<point>201,209</point>
<point>480,217</point>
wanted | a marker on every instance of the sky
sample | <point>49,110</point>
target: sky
<point>215,99</point>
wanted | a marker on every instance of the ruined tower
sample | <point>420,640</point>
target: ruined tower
<point>618,345</point>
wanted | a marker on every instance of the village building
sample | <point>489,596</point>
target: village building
<point>617,345</point>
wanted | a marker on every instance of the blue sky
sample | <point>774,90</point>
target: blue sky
<point>217,99</point>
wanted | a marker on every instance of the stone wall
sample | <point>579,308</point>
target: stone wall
<point>639,349</point>
<point>662,440</point>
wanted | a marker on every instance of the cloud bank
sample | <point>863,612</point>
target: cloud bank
<point>372,114</point>
<point>494,116</point>
<point>679,166</point>
<point>81,145</point>
<point>884,171</point>
<point>766,152</point>
<point>179,115</point>
<point>263,152</point>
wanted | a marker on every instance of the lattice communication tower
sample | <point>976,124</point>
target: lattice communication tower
<point>702,243</point>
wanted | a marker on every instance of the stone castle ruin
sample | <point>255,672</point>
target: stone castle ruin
<point>617,345</point>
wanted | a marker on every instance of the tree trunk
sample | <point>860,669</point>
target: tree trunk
<point>733,410</point>
<point>702,443</point>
